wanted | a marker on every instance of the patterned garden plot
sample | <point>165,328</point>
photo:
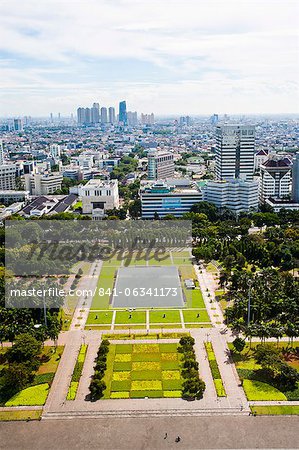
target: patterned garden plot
<point>145,370</point>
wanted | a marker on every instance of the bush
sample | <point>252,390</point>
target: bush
<point>239,344</point>
<point>96,389</point>
<point>214,369</point>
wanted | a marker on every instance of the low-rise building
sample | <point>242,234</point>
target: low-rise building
<point>99,195</point>
<point>7,176</point>
<point>237,195</point>
<point>42,184</point>
<point>163,198</point>
<point>9,197</point>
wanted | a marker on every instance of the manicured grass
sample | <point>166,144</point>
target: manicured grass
<point>31,396</point>
<point>194,298</point>
<point>73,387</point>
<point>181,261</point>
<point>191,315</point>
<point>256,390</point>
<point>145,336</point>
<point>105,281</point>
<point>100,317</point>
<point>220,390</point>
<point>211,268</point>
<point>142,370</point>
<point>250,372</point>
<point>182,254</point>
<point>171,316</point>
<point>125,317</point>
<point>275,410</point>
<point>20,415</point>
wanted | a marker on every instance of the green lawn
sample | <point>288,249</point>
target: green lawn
<point>100,317</point>
<point>31,396</point>
<point>253,377</point>
<point>126,317</point>
<point>256,390</point>
<point>142,370</point>
<point>275,410</point>
<point>171,316</point>
<point>20,415</point>
<point>191,315</point>
<point>105,281</point>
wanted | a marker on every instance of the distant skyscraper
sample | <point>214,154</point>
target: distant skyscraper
<point>104,116</point>
<point>214,119</point>
<point>81,116</point>
<point>123,112</point>
<point>111,115</point>
<point>87,116</point>
<point>132,118</point>
<point>235,146</point>
<point>18,126</point>
<point>95,113</point>
<point>295,179</point>
<point>148,119</point>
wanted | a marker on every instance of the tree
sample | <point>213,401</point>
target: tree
<point>135,209</point>
<point>25,349</point>
<point>97,388</point>
<point>239,344</point>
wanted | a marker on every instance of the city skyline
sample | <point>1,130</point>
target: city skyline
<point>175,58</point>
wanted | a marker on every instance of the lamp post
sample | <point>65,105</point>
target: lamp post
<point>249,301</point>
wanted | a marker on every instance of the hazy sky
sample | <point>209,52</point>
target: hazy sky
<point>165,56</point>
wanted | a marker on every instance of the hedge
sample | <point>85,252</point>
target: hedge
<point>220,390</point>
<point>77,372</point>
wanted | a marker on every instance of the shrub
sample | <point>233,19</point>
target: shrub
<point>96,389</point>
<point>239,344</point>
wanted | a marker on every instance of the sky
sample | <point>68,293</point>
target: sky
<point>167,57</point>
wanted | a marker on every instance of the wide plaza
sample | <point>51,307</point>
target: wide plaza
<point>147,294</point>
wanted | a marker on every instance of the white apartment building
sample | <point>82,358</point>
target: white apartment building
<point>42,184</point>
<point>275,179</point>
<point>99,195</point>
<point>237,195</point>
<point>55,150</point>
<point>235,146</point>
<point>7,176</point>
<point>160,164</point>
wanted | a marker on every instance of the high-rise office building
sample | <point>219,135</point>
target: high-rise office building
<point>18,126</point>
<point>123,112</point>
<point>275,179</point>
<point>214,119</point>
<point>95,113</point>
<point>148,119</point>
<point>295,179</point>
<point>235,146</point>
<point>160,164</point>
<point>111,115</point>
<point>81,116</point>
<point>87,116</point>
<point>104,116</point>
<point>132,118</point>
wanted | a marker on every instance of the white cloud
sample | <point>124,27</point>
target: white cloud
<point>227,50</point>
